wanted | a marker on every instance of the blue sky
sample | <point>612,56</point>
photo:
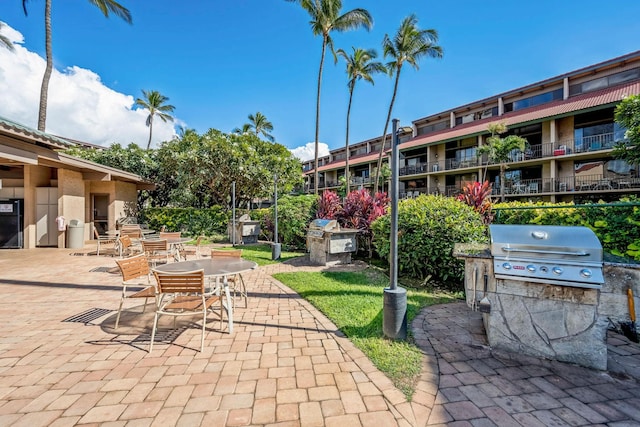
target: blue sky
<point>220,60</point>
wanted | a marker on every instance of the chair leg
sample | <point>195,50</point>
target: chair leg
<point>221,313</point>
<point>153,332</point>
<point>120,309</point>
<point>204,325</point>
<point>243,290</point>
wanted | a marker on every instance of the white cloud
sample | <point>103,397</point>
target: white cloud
<point>80,106</point>
<point>307,152</point>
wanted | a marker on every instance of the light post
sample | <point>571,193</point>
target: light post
<point>394,313</point>
<point>233,213</point>
<point>276,248</point>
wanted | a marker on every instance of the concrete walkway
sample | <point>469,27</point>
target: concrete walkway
<point>63,364</point>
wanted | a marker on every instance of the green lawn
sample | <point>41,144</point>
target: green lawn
<point>353,301</point>
<point>261,254</point>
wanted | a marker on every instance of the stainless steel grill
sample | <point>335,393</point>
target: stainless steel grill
<point>328,242</point>
<point>559,255</point>
<point>318,227</point>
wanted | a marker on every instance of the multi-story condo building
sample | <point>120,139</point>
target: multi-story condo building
<point>568,122</point>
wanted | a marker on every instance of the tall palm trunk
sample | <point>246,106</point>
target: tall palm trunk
<point>150,131</point>
<point>386,126</point>
<point>44,88</point>
<point>315,163</point>
<point>346,144</point>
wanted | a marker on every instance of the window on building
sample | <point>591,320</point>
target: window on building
<point>596,130</point>
<point>433,127</point>
<point>604,82</point>
<point>466,154</point>
<point>532,101</point>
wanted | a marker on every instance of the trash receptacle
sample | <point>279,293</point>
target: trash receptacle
<point>75,234</point>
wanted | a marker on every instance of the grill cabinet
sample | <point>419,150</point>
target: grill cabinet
<point>557,255</point>
<point>246,232</point>
<point>328,243</point>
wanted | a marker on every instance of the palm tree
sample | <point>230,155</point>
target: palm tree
<point>106,7</point>
<point>325,18</point>
<point>244,129</point>
<point>409,45</point>
<point>360,66</point>
<point>499,149</point>
<point>261,125</point>
<point>155,102</point>
<point>4,41</point>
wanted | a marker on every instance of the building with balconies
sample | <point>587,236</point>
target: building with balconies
<point>568,122</point>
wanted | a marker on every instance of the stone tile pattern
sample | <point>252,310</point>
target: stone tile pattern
<point>284,365</point>
<point>478,386</point>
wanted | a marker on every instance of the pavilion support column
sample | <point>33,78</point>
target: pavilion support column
<point>71,200</point>
<point>29,219</point>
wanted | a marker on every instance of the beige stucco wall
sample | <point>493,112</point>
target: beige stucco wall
<point>126,196</point>
<point>71,202</point>
<point>565,129</point>
<point>122,200</point>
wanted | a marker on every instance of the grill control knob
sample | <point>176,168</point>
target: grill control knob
<point>544,269</point>
<point>586,273</point>
<point>531,268</point>
<point>506,266</point>
<point>557,271</point>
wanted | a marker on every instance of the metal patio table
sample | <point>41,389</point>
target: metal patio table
<point>220,267</point>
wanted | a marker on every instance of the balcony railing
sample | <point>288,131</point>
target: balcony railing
<point>585,184</point>
<point>360,180</point>
<point>596,183</point>
<point>538,151</point>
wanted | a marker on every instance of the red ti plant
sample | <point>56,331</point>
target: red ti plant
<point>329,205</point>
<point>360,210</point>
<point>478,196</point>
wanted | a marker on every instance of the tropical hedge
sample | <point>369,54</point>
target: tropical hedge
<point>428,228</point>
<point>191,221</point>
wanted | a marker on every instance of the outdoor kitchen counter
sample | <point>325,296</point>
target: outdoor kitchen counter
<point>544,320</point>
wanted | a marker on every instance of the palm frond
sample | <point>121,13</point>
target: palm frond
<point>111,6</point>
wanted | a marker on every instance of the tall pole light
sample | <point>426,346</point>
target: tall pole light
<point>233,213</point>
<point>394,313</point>
<point>275,249</point>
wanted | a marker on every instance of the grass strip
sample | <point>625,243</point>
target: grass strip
<point>261,253</point>
<point>354,301</point>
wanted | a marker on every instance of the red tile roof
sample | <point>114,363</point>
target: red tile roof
<point>556,108</point>
<point>356,160</point>
<point>559,108</point>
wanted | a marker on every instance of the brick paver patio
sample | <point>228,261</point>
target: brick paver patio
<point>63,364</point>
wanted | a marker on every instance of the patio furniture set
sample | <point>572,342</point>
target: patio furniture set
<point>186,288</point>
<point>158,247</point>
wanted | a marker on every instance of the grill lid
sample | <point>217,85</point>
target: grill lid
<point>323,224</point>
<point>566,256</point>
<point>549,242</point>
<point>318,227</point>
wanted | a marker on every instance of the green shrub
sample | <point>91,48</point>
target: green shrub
<point>428,227</point>
<point>294,215</point>
<point>191,221</point>
<point>265,217</point>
